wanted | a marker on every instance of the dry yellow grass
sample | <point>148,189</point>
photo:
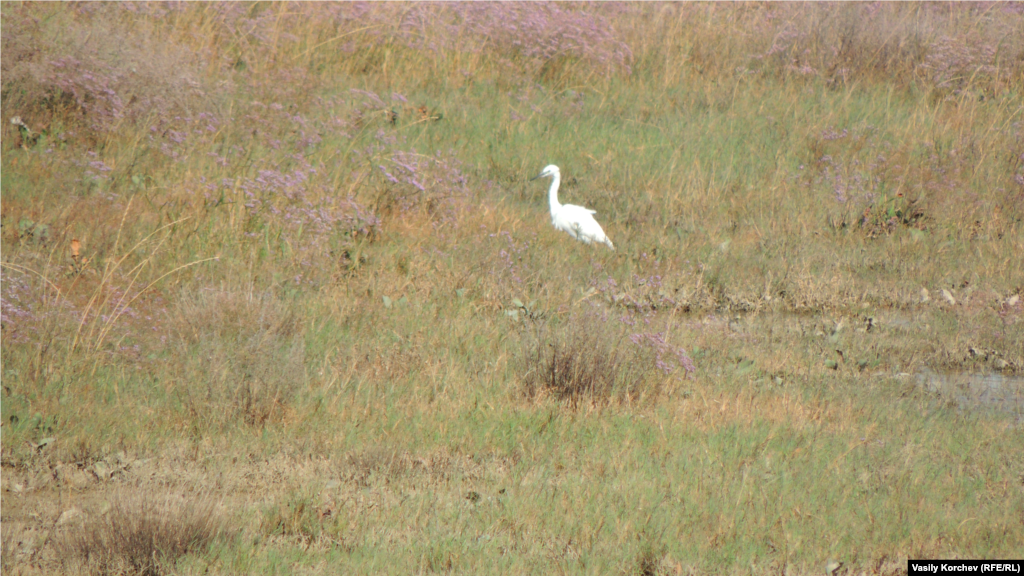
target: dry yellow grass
<point>287,255</point>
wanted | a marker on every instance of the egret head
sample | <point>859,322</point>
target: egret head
<point>549,170</point>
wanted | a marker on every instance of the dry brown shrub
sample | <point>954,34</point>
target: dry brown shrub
<point>142,533</point>
<point>594,359</point>
<point>574,368</point>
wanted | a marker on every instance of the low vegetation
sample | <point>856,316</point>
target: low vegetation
<point>287,257</point>
<point>140,534</point>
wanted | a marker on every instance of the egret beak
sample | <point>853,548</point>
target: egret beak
<point>537,176</point>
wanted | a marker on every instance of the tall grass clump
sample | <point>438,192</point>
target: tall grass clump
<point>593,358</point>
<point>81,315</point>
<point>248,352</point>
<point>142,534</point>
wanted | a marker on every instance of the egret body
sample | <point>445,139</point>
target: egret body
<point>577,221</point>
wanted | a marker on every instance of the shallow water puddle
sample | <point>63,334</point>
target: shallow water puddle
<point>992,391</point>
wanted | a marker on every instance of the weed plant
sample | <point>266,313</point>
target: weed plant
<point>287,254</point>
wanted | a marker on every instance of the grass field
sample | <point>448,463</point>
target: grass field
<point>280,298</point>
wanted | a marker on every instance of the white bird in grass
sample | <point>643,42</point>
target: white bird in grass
<point>576,220</point>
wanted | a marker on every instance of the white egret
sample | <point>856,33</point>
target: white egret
<point>576,220</point>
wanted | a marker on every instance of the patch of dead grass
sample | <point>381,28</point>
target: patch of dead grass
<point>8,545</point>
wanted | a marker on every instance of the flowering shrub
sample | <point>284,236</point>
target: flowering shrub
<point>952,62</point>
<point>405,179</point>
<point>841,43</point>
<point>518,32</point>
<point>300,207</point>
<point>20,309</point>
<point>98,68</point>
<point>412,180</point>
<point>524,35</point>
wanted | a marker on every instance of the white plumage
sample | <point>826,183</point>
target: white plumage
<point>576,220</point>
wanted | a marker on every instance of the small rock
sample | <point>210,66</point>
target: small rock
<point>948,297</point>
<point>1012,300</point>
<point>832,566</point>
<point>924,295</point>
<point>1000,364</point>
